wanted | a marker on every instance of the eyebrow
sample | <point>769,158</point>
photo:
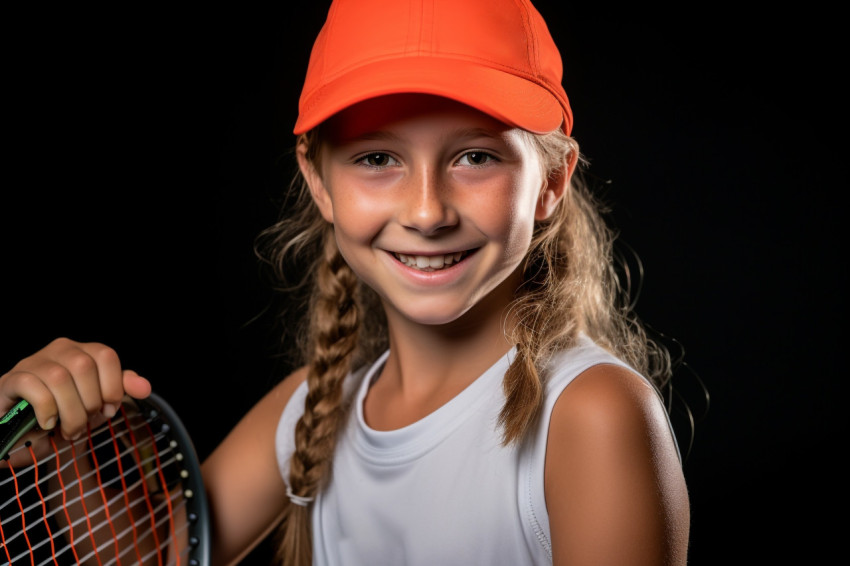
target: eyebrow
<point>461,133</point>
<point>377,135</point>
<point>477,133</point>
<point>499,136</point>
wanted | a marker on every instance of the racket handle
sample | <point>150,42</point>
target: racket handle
<point>17,422</point>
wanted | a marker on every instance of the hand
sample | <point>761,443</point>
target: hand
<point>69,383</point>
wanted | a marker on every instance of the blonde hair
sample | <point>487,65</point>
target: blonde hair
<point>571,285</point>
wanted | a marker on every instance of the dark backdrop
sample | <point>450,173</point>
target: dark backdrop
<point>144,148</point>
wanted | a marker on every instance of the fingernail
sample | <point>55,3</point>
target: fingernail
<point>51,422</point>
<point>109,410</point>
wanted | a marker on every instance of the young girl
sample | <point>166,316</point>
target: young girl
<point>475,389</point>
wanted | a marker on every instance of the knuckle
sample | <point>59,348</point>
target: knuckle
<point>55,375</point>
<point>26,379</point>
<point>106,355</point>
<point>81,363</point>
<point>61,342</point>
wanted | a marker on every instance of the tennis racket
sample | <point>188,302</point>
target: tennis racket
<point>127,492</point>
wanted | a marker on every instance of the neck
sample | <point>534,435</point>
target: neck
<point>429,364</point>
<point>426,358</point>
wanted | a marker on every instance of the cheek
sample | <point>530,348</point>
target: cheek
<point>358,221</point>
<point>358,214</point>
<point>507,213</point>
<point>518,239</point>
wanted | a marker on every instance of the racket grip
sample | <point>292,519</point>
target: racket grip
<point>17,422</point>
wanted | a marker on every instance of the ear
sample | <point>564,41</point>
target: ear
<point>555,188</point>
<point>320,194</point>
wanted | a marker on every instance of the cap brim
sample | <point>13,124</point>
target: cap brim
<point>509,98</point>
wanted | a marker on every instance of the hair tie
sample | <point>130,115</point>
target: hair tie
<point>297,499</point>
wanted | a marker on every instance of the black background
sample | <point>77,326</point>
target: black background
<point>143,150</point>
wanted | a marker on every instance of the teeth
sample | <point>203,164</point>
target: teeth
<point>429,263</point>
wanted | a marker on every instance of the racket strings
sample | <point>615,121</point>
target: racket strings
<point>149,463</point>
<point>122,537</point>
<point>150,475</point>
<point>123,456</point>
<point>131,551</point>
<point>133,426</point>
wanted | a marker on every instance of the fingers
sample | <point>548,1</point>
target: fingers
<point>136,385</point>
<point>69,382</point>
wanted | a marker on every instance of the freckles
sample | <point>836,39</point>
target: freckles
<point>351,205</point>
<point>358,220</point>
<point>509,208</point>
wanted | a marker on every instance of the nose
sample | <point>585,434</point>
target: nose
<point>427,204</point>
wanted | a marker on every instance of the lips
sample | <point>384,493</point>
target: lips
<point>430,262</point>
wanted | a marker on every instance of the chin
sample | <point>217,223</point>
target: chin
<point>430,314</point>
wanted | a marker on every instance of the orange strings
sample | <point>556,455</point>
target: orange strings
<point>43,504</point>
<point>165,490</point>
<point>139,495</point>
<point>64,500</point>
<point>138,458</point>
<point>23,518</point>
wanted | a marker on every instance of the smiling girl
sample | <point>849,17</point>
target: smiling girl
<point>472,390</point>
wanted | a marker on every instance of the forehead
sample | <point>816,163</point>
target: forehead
<point>386,112</point>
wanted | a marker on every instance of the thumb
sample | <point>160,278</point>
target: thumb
<point>135,385</point>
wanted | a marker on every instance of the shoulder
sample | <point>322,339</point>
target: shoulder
<point>283,391</point>
<point>289,406</point>
<point>613,481</point>
<point>605,399</point>
<point>608,416</point>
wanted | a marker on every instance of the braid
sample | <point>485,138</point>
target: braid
<point>334,325</point>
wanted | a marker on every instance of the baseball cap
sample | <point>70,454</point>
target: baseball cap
<point>497,56</point>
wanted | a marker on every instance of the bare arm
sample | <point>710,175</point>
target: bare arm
<point>247,494</point>
<point>615,490</point>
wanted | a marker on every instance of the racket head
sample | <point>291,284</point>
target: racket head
<point>131,489</point>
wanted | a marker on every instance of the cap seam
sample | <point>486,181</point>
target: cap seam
<point>325,32</point>
<point>414,29</point>
<point>530,37</point>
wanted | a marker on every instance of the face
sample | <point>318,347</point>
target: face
<point>433,203</point>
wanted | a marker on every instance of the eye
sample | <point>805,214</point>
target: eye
<point>475,158</point>
<point>377,160</point>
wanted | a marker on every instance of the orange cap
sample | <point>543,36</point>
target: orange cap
<point>494,55</point>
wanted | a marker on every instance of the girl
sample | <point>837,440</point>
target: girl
<point>474,390</point>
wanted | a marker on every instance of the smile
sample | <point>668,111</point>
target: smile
<point>430,262</point>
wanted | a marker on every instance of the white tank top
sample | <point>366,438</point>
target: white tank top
<point>443,490</point>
